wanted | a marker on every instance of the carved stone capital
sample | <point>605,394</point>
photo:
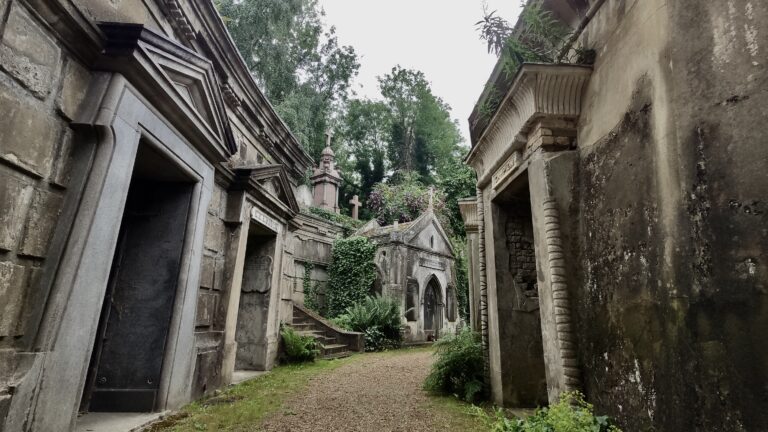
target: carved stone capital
<point>538,92</point>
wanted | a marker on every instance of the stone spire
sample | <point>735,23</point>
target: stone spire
<point>326,180</point>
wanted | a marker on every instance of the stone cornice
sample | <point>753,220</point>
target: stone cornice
<point>537,91</point>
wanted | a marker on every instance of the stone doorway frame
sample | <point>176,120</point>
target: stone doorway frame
<point>241,212</point>
<point>108,135</point>
<point>535,128</point>
<point>439,312</point>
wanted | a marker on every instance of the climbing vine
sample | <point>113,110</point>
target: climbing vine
<point>351,273</point>
<point>310,291</point>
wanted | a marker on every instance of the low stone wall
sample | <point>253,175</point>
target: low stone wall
<point>353,340</point>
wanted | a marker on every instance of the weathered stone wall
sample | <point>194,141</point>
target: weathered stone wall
<point>41,88</point>
<point>671,295</point>
<point>311,244</point>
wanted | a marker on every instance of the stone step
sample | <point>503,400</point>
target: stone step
<point>334,349</point>
<point>337,355</point>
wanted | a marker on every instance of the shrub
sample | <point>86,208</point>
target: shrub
<point>350,274</point>
<point>458,369</point>
<point>378,318</point>
<point>311,293</point>
<point>298,348</point>
<point>570,414</point>
<point>349,224</point>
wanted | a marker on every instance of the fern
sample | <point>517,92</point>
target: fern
<point>298,348</point>
<point>458,369</point>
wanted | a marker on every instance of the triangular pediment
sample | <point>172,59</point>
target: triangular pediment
<point>426,232</point>
<point>272,179</point>
<point>179,81</point>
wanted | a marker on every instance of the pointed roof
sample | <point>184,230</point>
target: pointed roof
<point>405,232</point>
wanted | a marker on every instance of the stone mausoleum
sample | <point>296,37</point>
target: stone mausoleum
<point>620,231</point>
<point>415,263</point>
<point>150,232</point>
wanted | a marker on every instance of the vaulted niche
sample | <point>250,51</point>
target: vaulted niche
<point>253,313</point>
<point>520,337</point>
<point>127,361</point>
<point>433,308</point>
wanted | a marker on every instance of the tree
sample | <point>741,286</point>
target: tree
<point>296,60</point>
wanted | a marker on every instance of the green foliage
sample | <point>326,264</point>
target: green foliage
<point>298,348</point>
<point>457,181</point>
<point>378,318</point>
<point>296,60</point>
<point>538,38</point>
<point>458,369</point>
<point>347,222</point>
<point>310,290</point>
<point>570,414</point>
<point>404,199</point>
<point>462,275</point>
<point>351,273</point>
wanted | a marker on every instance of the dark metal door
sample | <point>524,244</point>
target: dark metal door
<point>430,307</point>
<point>144,280</point>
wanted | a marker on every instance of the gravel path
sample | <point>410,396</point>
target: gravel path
<point>381,393</point>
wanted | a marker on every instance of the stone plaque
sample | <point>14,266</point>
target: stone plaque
<point>257,276</point>
<point>431,263</point>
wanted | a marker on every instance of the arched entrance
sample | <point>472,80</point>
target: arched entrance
<point>432,310</point>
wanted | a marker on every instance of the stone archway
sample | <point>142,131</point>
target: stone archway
<point>433,307</point>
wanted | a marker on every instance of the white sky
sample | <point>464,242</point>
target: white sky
<point>437,37</point>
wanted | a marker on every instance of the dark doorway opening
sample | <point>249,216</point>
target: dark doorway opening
<point>521,348</point>
<point>433,306</point>
<point>253,311</point>
<point>127,360</point>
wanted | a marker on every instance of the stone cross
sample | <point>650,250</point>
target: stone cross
<point>355,201</point>
<point>328,135</point>
<point>431,195</point>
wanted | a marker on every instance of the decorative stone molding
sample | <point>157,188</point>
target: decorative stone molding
<point>483,287</point>
<point>468,210</point>
<point>538,91</point>
<point>230,97</point>
<point>566,340</point>
<point>178,19</point>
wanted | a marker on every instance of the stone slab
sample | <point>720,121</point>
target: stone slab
<point>43,215</point>
<point>206,308</point>
<point>12,292</point>
<point>28,54</point>
<point>15,196</point>
<point>74,86</point>
<point>28,133</point>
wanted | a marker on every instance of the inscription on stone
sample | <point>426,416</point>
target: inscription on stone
<point>257,276</point>
<point>431,263</point>
<point>507,168</point>
<point>265,220</point>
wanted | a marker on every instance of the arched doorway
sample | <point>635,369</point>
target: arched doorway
<point>432,310</point>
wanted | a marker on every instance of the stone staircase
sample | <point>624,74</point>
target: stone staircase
<point>334,342</point>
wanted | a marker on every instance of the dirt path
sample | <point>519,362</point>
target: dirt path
<point>382,393</point>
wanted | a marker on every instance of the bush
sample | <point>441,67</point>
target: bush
<point>570,414</point>
<point>458,369</point>
<point>298,348</point>
<point>349,224</point>
<point>350,275</point>
<point>378,318</point>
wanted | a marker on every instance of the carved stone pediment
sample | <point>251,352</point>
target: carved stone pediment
<point>538,91</point>
<point>179,82</point>
<point>272,179</point>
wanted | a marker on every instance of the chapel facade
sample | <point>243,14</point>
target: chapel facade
<point>150,230</point>
<point>619,228</point>
<point>415,264</point>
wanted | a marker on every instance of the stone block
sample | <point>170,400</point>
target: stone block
<point>28,54</point>
<point>43,215</point>
<point>206,308</point>
<point>12,292</point>
<point>218,279</point>
<point>74,86</point>
<point>14,196</point>
<point>62,169</point>
<point>207,272</point>
<point>28,133</point>
<point>214,234</point>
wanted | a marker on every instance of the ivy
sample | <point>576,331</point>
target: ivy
<point>349,224</point>
<point>311,300</point>
<point>351,273</point>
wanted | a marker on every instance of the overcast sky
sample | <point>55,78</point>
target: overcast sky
<point>437,37</point>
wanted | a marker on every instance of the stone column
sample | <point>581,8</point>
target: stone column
<point>468,208</point>
<point>483,304</point>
